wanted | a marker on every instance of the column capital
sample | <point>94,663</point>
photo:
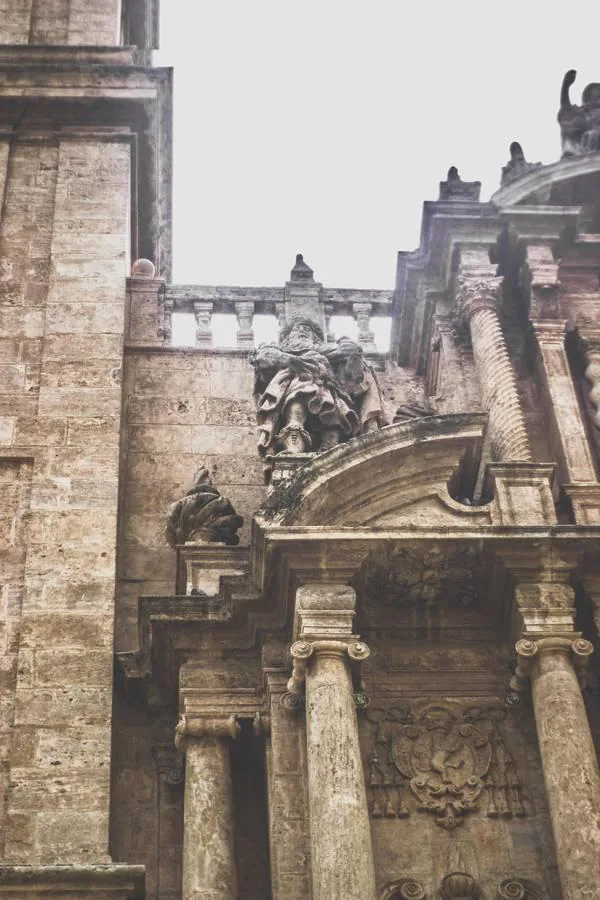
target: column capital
<point>303,651</point>
<point>476,292</point>
<point>578,649</point>
<point>197,727</point>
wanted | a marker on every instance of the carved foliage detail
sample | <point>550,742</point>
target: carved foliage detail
<point>409,577</point>
<point>449,761</point>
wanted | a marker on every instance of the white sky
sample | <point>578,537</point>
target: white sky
<point>321,126</point>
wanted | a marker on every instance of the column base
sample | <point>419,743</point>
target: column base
<point>110,882</point>
<point>522,493</point>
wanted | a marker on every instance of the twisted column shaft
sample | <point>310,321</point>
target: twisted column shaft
<point>478,299</point>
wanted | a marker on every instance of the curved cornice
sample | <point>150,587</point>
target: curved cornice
<point>369,480</point>
<point>542,180</point>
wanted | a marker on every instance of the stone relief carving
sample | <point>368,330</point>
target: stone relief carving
<point>406,578</point>
<point>404,889</point>
<point>579,125</point>
<point>517,166</point>
<point>203,515</point>
<point>459,886</point>
<point>519,889</point>
<point>312,396</point>
<point>449,761</point>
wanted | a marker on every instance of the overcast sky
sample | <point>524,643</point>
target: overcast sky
<point>320,127</point>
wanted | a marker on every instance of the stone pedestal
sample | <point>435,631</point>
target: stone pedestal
<point>341,852</point>
<point>568,758</point>
<point>522,493</point>
<point>209,869</point>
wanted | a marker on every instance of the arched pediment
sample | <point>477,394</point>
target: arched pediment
<point>550,184</point>
<point>396,476</point>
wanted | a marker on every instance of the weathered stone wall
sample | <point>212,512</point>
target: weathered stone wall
<point>63,247</point>
<point>60,22</point>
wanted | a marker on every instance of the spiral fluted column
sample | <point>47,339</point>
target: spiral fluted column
<point>478,300</point>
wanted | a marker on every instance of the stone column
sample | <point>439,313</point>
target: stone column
<point>568,758</point>
<point>478,300</point>
<point>244,311</point>
<point>362,315</point>
<point>203,310</point>
<point>341,852</point>
<point>209,868</point>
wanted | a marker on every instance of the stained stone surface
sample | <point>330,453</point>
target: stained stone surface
<point>442,762</point>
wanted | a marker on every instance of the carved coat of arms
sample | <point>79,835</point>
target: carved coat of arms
<point>446,759</point>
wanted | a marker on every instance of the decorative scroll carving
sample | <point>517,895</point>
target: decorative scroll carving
<point>454,188</point>
<point>311,396</point>
<point>579,125</point>
<point>203,515</point>
<point>519,889</point>
<point>404,889</point>
<point>448,761</point>
<point>517,166</point>
<point>459,886</point>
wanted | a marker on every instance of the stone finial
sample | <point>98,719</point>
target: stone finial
<point>203,515</point>
<point>454,188</point>
<point>579,125</point>
<point>517,166</point>
<point>301,271</point>
<point>143,268</point>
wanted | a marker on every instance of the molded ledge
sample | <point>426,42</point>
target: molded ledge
<point>119,881</point>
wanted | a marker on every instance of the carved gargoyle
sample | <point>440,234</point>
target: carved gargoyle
<point>203,515</point>
<point>579,125</point>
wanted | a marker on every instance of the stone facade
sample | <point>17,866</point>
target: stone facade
<point>356,661</point>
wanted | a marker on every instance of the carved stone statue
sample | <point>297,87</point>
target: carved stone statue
<point>203,515</point>
<point>579,125</point>
<point>311,396</point>
<point>517,166</point>
<point>454,188</point>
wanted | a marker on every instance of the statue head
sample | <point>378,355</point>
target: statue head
<point>301,334</point>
